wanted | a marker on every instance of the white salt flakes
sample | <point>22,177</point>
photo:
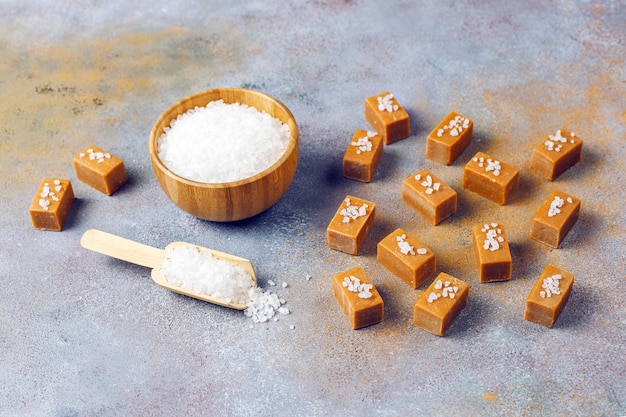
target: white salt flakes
<point>555,206</point>
<point>222,142</point>
<point>386,103</point>
<point>364,144</point>
<point>447,291</point>
<point>454,126</point>
<point>263,305</point>
<point>404,246</point>
<point>492,237</point>
<point>284,284</point>
<point>271,283</point>
<point>550,286</point>
<point>354,284</point>
<point>200,272</point>
<point>351,212</point>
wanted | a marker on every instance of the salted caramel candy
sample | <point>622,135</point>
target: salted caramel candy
<point>406,257</point>
<point>449,139</point>
<point>100,170</point>
<point>350,225</point>
<point>492,253</point>
<point>429,196</point>
<point>362,156</point>
<point>51,204</point>
<point>490,178</point>
<point>358,298</point>
<point>548,296</point>
<point>442,301</point>
<point>387,117</point>
<point>556,154</point>
<point>554,219</point>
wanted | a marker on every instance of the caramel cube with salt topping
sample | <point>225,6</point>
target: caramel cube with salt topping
<point>440,304</point>
<point>449,139</point>
<point>51,204</point>
<point>490,178</point>
<point>429,196</point>
<point>350,225</point>
<point>554,219</point>
<point>358,298</point>
<point>492,253</point>
<point>100,170</point>
<point>556,154</point>
<point>548,296</point>
<point>406,257</point>
<point>362,156</point>
<point>387,117</point>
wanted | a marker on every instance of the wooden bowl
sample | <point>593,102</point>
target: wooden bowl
<point>236,200</point>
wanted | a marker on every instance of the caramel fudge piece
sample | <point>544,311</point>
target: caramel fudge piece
<point>442,301</point>
<point>387,117</point>
<point>492,253</point>
<point>430,196</point>
<point>406,257</point>
<point>100,170</point>
<point>362,156</point>
<point>349,227</point>
<point>555,218</point>
<point>548,296</point>
<point>490,178</point>
<point>358,298</point>
<point>449,139</point>
<point>51,204</point>
<point>556,154</point>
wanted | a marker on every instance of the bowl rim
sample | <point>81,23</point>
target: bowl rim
<point>154,137</point>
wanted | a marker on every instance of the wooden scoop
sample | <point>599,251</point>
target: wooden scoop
<point>144,255</point>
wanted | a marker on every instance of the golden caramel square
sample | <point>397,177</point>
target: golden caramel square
<point>362,156</point>
<point>349,227</point>
<point>428,195</point>
<point>492,252</point>
<point>51,204</point>
<point>449,139</point>
<point>440,304</point>
<point>556,154</point>
<point>358,298</point>
<point>387,117</point>
<point>548,296</point>
<point>490,178</point>
<point>100,170</point>
<point>554,219</point>
<point>406,257</point>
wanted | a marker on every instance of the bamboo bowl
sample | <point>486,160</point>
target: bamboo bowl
<point>236,200</point>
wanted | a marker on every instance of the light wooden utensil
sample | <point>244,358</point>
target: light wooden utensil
<point>236,200</point>
<point>148,256</point>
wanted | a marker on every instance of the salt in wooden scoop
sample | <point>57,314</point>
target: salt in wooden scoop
<point>148,256</point>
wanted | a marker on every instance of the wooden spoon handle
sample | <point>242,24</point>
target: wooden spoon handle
<point>121,248</point>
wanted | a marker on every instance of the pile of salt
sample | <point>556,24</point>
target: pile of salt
<point>222,142</point>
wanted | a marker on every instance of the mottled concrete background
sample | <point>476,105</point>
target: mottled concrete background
<point>85,335</point>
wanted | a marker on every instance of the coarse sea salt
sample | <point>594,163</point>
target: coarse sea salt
<point>199,271</point>
<point>222,142</point>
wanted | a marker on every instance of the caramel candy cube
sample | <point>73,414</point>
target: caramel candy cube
<point>442,301</point>
<point>387,117</point>
<point>362,156</point>
<point>358,298</point>
<point>449,139</point>
<point>556,154</point>
<point>406,257</point>
<point>100,170</point>
<point>51,204</point>
<point>430,196</point>
<point>555,218</point>
<point>548,296</point>
<point>490,178</point>
<point>492,253</point>
<point>349,227</point>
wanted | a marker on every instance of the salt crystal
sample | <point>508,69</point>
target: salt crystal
<point>222,142</point>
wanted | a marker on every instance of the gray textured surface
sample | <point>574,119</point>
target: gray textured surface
<point>85,335</point>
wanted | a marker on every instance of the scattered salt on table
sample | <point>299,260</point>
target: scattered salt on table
<point>222,142</point>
